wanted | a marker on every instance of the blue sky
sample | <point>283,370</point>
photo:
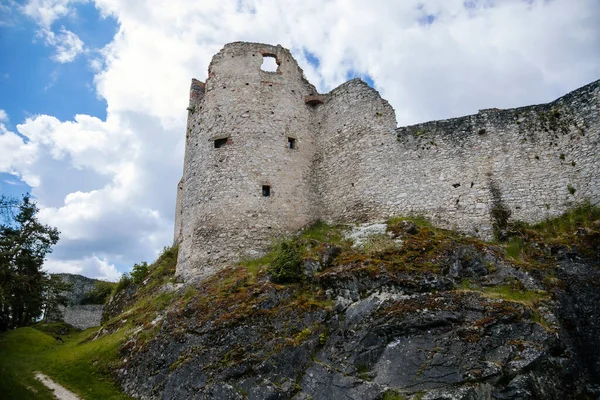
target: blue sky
<point>93,92</point>
<point>32,83</point>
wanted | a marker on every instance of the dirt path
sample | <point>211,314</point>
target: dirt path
<point>60,392</point>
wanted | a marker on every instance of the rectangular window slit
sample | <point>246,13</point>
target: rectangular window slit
<point>266,190</point>
<point>220,142</point>
<point>291,143</point>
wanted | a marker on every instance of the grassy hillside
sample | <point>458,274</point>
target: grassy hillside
<point>79,364</point>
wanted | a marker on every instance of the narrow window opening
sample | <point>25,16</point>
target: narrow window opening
<point>269,63</point>
<point>220,142</point>
<point>266,190</point>
<point>291,143</point>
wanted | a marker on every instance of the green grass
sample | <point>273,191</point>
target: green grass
<point>391,394</point>
<point>582,216</point>
<point>530,244</point>
<point>514,247</point>
<point>508,292</point>
<point>419,220</point>
<point>81,366</point>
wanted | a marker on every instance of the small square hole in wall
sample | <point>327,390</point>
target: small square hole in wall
<point>291,143</point>
<point>220,142</point>
<point>266,190</point>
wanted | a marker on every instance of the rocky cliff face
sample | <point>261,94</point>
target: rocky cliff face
<point>416,313</point>
<point>80,286</point>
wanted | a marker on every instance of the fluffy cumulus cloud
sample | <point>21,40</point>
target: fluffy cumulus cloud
<point>109,185</point>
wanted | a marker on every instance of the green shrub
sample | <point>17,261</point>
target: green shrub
<point>287,263</point>
<point>139,272</point>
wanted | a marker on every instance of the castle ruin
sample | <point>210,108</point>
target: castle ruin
<point>266,155</point>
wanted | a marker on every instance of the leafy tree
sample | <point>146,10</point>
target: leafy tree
<point>139,272</point>
<point>24,243</point>
<point>55,295</point>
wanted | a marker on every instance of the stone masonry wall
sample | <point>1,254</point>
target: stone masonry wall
<point>356,129</point>
<point>83,316</point>
<point>530,159</point>
<point>352,164</point>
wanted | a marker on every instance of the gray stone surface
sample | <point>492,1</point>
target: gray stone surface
<point>351,162</point>
<point>83,316</point>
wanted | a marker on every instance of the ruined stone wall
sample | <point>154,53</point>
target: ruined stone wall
<point>356,128</point>
<point>538,161</point>
<point>352,164</point>
<point>83,316</point>
<point>255,112</point>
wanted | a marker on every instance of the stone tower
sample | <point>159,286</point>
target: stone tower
<point>249,149</point>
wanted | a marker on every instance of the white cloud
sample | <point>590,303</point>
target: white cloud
<point>3,116</point>
<point>109,185</point>
<point>45,12</point>
<point>67,44</point>
<point>17,155</point>
<point>92,267</point>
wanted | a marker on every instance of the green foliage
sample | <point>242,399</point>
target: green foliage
<point>139,272</point>
<point>100,294</point>
<point>571,189</point>
<point>162,270</point>
<point>285,257</point>
<point>287,262</point>
<point>24,243</point>
<point>82,365</point>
